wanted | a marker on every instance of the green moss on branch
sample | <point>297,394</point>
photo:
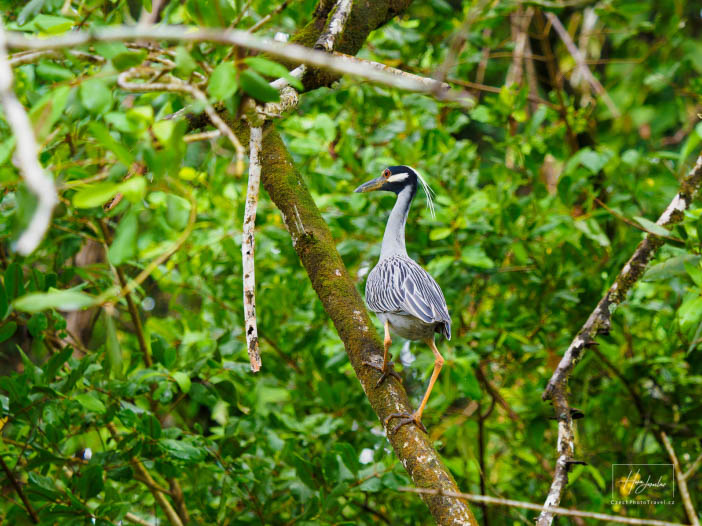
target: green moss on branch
<point>315,247</point>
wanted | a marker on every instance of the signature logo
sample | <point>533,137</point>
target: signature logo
<point>643,484</point>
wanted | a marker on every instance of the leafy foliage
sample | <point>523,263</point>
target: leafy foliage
<point>522,247</point>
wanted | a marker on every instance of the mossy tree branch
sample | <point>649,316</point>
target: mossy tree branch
<point>315,246</point>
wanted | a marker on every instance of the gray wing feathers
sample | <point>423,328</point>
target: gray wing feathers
<point>399,285</point>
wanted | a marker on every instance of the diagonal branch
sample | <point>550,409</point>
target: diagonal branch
<point>15,484</point>
<point>37,180</point>
<point>599,323</point>
<point>599,320</point>
<point>315,247</point>
<point>682,482</point>
<point>581,64</point>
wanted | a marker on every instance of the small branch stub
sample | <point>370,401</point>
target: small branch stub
<point>248,246</point>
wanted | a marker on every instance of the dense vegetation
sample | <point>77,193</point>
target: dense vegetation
<point>542,189</point>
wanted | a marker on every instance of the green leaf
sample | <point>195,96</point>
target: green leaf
<point>124,244</point>
<point>181,450</point>
<point>14,281</point>
<point>476,257</point>
<point>4,304</point>
<point>163,130</point>
<point>177,211</point>
<point>652,227</point>
<point>53,72</point>
<point>256,86</point>
<point>6,148</point>
<point>185,64</point>
<point>96,194</point>
<point>133,188</point>
<point>129,59</point>
<point>47,110</point>
<point>183,381</point>
<point>272,69</point>
<point>7,330</point>
<point>674,266</point>
<point>102,134</point>
<point>91,402</point>
<point>95,96</point>
<point>63,300</point>
<point>30,9</point>
<point>222,83</point>
<point>49,24</point>
<point>440,233</point>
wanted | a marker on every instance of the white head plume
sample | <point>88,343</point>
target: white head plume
<point>427,191</point>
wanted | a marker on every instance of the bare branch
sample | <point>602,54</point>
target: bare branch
<point>144,474</point>
<point>15,484</point>
<point>233,37</point>
<point>137,520</point>
<point>599,323</point>
<point>37,180</point>
<point>695,465</point>
<point>599,320</point>
<point>581,62</point>
<point>531,506</point>
<point>565,449</point>
<point>258,25</point>
<point>682,482</point>
<point>248,246</point>
<point>29,57</point>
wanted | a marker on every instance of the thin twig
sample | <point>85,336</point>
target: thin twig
<point>582,65</point>
<point>178,86</point>
<point>248,246</point>
<point>40,183</point>
<point>258,25</point>
<point>136,520</point>
<point>695,465</point>
<point>29,57</point>
<point>682,482</point>
<point>163,502</point>
<point>15,484</point>
<point>131,306</point>
<point>531,506</point>
<point>232,37</point>
<point>636,225</point>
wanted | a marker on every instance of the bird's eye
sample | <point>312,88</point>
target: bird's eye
<point>386,173</point>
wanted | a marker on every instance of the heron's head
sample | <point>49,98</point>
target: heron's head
<point>396,179</point>
<point>393,179</point>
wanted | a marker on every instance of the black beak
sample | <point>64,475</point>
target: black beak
<point>375,184</point>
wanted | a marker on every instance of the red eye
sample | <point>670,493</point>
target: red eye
<point>386,173</point>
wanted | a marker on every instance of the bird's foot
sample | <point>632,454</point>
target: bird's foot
<point>405,418</point>
<point>385,371</point>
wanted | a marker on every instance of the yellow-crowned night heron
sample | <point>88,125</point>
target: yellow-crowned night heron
<point>401,293</point>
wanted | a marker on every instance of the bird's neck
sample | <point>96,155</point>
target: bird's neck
<point>394,237</point>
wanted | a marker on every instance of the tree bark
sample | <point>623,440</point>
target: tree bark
<point>315,246</point>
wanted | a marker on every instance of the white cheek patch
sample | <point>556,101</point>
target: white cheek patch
<point>398,177</point>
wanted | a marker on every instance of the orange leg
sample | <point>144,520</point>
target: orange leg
<point>386,369</point>
<point>416,417</point>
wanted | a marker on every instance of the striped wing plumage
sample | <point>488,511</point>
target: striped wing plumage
<point>400,286</point>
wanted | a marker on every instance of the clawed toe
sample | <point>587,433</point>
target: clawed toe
<point>385,372</point>
<point>405,418</point>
